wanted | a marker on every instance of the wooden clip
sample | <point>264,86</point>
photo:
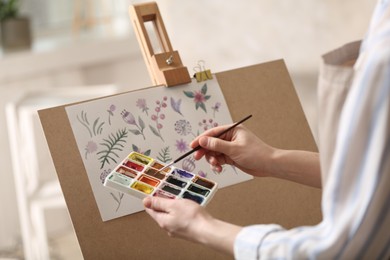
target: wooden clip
<point>201,74</point>
<point>165,67</point>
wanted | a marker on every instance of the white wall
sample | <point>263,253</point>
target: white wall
<point>236,33</point>
<point>226,34</point>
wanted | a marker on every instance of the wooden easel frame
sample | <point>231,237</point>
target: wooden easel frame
<point>165,68</point>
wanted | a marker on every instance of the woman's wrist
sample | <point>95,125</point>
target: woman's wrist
<point>298,166</point>
<point>216,233</point>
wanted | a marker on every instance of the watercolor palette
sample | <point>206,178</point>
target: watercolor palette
<point>139,175</point>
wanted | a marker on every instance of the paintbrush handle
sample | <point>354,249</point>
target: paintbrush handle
<point>218,135</point>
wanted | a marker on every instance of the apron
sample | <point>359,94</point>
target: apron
<point>335,78</point>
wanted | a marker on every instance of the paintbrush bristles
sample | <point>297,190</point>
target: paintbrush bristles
<point>166,166</point>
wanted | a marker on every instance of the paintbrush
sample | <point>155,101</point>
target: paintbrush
<point>198,147</point>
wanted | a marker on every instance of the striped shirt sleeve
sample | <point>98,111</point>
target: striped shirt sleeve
<point>356,198</point>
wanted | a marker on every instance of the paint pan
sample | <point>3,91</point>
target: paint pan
<point>203,182</point>
<point>171,189</point>
<point>155,173</point>
<point>140,158</point>
<point>198,190</point>
<point>182,174</point>
<point>158,166</point>
<point>163,194</point>
<point>196,198</point>
<point>149,180</point>
<point>176,181</point>
<point>142,187</point>
<point>133,165</point>
<point>126,171</point>
<point>120,179</point>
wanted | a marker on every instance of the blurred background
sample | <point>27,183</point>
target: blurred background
<point>56,52</point>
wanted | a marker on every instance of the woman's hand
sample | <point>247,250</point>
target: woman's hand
<point>179,217</point>
<point>238,147</point>
<point>243,149</point>
<point>185,219</point>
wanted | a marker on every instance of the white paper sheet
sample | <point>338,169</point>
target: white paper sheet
<point>159,122</point>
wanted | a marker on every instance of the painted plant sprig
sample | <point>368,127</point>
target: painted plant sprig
<point>157,116</point>
<point>207,124</point>
<point>215,108</point>
<point>111,113</point>
<point>117,199</point>
<point>141,104</point>
<point>95,129</point>
<point>164,155</point>
<point>129,119</point>
<point>112,144</point>
<point>90,148</point>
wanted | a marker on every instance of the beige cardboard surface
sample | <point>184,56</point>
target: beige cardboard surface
<point>264,90</point>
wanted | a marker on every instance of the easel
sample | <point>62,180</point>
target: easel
<point>266,91</point>
<point>165,68</point>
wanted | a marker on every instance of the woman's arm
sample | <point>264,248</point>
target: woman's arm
<point>241,148</point>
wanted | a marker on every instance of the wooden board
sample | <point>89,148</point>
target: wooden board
<point>264,90</point>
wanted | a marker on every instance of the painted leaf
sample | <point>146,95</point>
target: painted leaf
<point>113,143</point>
<point>94,125</point>
<point>114,197</point>
<point>176,105</point>
<point>155,132</point>
<point>204,89</point>
<point>134,131</point>
<point>202,106</point>
<point>84,116</point>
<point>141,123</point>
<point>135,148</point>
<point>189,94</point>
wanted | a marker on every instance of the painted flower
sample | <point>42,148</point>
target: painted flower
<point>183,127</point>
<point>128,117</point>
<point>141,103</point>
<point>110,111</point>
<point>181,145</point>
<point>202,174</point>
<point>91,147</point>
<point>216,107</point>
<point>188,164</point>
<point>199,97</point>
<point>104,174</point>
